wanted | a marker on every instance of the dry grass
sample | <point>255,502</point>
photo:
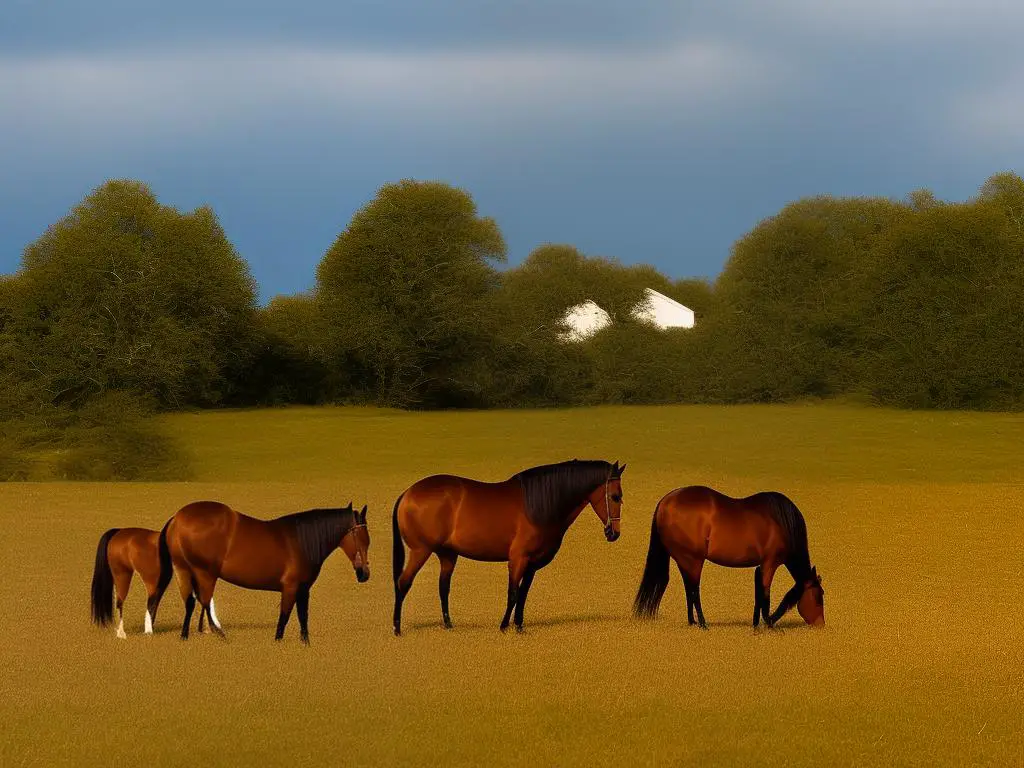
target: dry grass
<point>914,520</point>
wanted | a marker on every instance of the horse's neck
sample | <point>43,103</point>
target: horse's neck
<point>576,513</point>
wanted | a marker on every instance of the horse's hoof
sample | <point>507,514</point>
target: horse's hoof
<point>447,625</point>
<point>503,627</point>
<point>519,628</point>
<point>398,632</point>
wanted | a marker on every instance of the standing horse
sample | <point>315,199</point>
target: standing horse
<point>122,552</point>
<point>521,520</point>
<point>207,540</point>
<point>765,530</point>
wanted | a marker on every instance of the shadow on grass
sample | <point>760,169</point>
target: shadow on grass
<point>552,621</point>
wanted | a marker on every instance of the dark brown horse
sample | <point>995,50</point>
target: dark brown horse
<point>207,540</point>
<point>121,553</point>
<point>765,530</point>
<point>521,520</point>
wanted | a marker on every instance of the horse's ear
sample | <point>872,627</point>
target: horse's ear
<point>622,469</point>
<point>362,514</point>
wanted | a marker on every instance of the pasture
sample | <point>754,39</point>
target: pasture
<point>914,521</point>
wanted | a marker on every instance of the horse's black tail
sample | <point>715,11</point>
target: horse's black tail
<point>103,583</point>
<point>397,547</point>
<point>655,578</point>
<point>166,568</point>
<point>790,519</point>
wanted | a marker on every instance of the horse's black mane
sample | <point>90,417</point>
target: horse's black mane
<point>791,520</point>
<point>319,531</point>
<point>552,491</point>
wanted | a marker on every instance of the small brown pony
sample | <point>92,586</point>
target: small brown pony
<point>765,530</point>
<point>207,540</point>
<point>521,520</point>
<point>121,553</point>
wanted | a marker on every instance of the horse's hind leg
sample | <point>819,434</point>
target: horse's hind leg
<point>688,589</point>
<point>417,557</point>
<point>205,583</point>
<point>444,584</point>
<point>691,570</point>
<point>152,603</point>
<point>185,586</point>
<point>122,583</point>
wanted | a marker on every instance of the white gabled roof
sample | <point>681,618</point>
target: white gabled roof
<point>586,319</point>
<point>659,309</point>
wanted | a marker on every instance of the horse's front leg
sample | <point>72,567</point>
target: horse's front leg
<point>288,594</point>
<point>524,590</point>
<point>517,566</point>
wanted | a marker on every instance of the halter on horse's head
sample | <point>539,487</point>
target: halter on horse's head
<point>355,542</point>
<point>613,493</point>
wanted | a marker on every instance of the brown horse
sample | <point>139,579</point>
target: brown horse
<point>207,540</point>
<point>765,530</point>
<point>521,520</point>
<point>121,553</point>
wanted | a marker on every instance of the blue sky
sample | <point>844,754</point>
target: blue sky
<point>655,132</point>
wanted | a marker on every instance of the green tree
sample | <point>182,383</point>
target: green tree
<point>126,294</point>
<point>787,318</point>
<point>404,291</point>
<point>946,326</point>
<point>292,364</point>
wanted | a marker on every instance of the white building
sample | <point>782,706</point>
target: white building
<point>586,319</point>
<point>663,311</point>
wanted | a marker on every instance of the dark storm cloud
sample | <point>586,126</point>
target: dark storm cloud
<point>654,132</point>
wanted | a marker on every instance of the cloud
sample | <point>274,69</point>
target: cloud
<point>918,19</point>
<point>198,91</point>
<point>993,114</point>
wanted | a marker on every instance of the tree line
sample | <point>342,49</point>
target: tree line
<point>126,306</point>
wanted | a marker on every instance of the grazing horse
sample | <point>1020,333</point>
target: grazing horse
<point>765,530</point>
<point>122,552</point>
<point>521,520</point>
<point>207,540</point>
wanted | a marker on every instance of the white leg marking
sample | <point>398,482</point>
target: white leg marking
<point>120,630</point>
<point>149,623</point>
<point>213,615</point>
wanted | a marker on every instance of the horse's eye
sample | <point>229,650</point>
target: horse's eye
<point>617,499</point>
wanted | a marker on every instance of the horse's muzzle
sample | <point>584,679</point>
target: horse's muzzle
<point>362,575</point>
<point>611,534</point>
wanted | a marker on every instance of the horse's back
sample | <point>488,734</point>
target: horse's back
<point>144,553</point>
<point>200,532</point>
<point>129,549</point>
<point>470,517</point>
<point>726,530</point>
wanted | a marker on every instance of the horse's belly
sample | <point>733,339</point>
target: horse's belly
<point>482,548</point>
<point>259,564</point>
<point>251,577</point>
<point>732,561</point>
<point>734,554</point>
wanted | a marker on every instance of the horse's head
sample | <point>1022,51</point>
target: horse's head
<point>607,502</point>
<point>356,544</point>
<point>812,600</point>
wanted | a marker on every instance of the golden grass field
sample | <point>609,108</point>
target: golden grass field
<point>914,519</point>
